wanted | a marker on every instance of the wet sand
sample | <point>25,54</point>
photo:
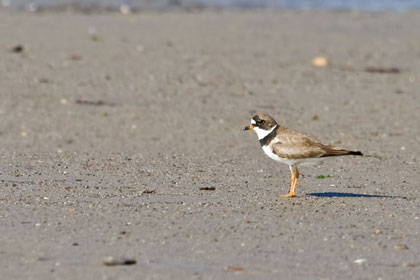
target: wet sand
<point>111,124</point>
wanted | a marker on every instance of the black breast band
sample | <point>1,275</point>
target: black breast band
<point>269,137</point>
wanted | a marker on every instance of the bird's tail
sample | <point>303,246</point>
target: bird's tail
<point>356,153</point>
<point>331,151</point>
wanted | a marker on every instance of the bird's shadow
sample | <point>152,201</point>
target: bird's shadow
<point>360,195</point>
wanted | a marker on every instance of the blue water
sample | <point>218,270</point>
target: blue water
<point>135,5</point>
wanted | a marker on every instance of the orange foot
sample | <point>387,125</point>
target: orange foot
<point>290,194</point>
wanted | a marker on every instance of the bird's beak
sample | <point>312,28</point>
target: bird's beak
<point>249,127</point>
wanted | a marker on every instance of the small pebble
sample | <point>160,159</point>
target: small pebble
<point>125,9</point>
<point>400,247</point>
<point>207,188</point>
<point>18,49</point>
<point>378,231</point>
<point>234,268</point>
<point>360,261</point>
<point>320,61</point>
<point>75,57</point>
<point>43,81</point>
<point>112,261</point>
<point>146,191</point>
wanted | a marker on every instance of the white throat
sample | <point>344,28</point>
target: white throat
<point>261,133</point>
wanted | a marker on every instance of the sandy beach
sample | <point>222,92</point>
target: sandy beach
<point>122,136</point>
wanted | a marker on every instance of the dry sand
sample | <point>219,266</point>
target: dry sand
<point>111,124</point>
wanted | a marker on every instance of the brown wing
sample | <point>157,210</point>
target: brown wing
<point>296,146</point>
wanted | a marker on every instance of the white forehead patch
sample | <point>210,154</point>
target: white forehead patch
<point>253,121</point>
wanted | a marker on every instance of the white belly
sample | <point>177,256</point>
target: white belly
<point>291,162</point>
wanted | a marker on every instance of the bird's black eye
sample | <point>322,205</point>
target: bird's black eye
<point>260,122</point>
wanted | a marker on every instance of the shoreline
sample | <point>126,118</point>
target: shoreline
<point>122,8</point>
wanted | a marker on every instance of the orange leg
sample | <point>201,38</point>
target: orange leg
<point>293,182</point>
<point>296,180</point>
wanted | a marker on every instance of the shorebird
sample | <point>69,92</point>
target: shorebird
<point>291,147</point>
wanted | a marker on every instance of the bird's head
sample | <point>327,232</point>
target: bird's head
<point>262,125</point>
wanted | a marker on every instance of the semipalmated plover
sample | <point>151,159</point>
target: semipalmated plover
<point>290,147</point>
